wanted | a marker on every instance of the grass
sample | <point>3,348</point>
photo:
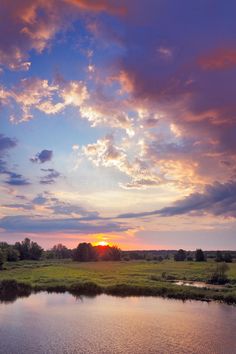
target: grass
<point>119,278</point>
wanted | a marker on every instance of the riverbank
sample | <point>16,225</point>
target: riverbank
<point>139,278</point>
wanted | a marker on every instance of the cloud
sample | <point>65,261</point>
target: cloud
<point>18,206</point>
<point>50,177</point>
<point>180,84</point>
<point>34,24</point>
<point>47,97</point>
<point>107,154</point>
<point>43,156</point>
<point>218,199</point>
<point>59,207</point>
<point>109,6</point>
<point>14,179</point>
<point>6,143</point>
<point>39,200</point>
<point>30,224</point>
<point>47,204</point>
<point>221,58</point>
<point>104,109</point>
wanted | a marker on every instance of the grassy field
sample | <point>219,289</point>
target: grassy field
<point>120,278</point>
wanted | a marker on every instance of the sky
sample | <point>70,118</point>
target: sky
<point>118,123</point>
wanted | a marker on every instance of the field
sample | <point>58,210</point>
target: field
<point>119,278</point>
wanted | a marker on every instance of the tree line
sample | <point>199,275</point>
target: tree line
<point>85,252</point>
<point>30,250</point>
<point>200,256</point>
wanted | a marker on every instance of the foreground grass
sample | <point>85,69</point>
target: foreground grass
<point>119,278</point>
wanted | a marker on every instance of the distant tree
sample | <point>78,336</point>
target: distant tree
<point>159,258</point>
<point>219,274</point>
<point>29,250</point>
<point>180,255</point>
<point>115,253</point>
<point>84,252</point>
<point>60,251</point>
<point>189,258</point>
<point>199,255</point>
<point>4,245</point>
<point>2,258</point>
<point>219,256</point>
<point>228,257</point>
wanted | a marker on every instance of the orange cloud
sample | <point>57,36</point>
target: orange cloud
<point>219,59</point>
<point>34,24</point>
<point>113,7</point>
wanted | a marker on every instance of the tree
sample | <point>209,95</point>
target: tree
<point>199,256</point>
<point>29,250</point>
<point>35,251</point>
<point>228,257</point>
<point>180,255</point>
<point>189,258</point>
<point>2,258</point>
<point>219,256</point>
<point>60,251</point>
<point>84,253</point>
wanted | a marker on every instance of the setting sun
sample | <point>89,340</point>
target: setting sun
<point>102,243</point>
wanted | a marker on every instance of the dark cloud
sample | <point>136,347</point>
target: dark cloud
<point>6,143</point>
<point>180,60</point>
<point>18,206</point>
<point>39,200</point>
<point>59,207</point>
<point>71,225</point>
<point>17,180</point>
<point>217,199</point>
<point>14,179</point>
<point>43,156</point>
<point>51,177</point>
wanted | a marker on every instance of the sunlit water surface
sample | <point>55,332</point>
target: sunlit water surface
<point>60,323</point>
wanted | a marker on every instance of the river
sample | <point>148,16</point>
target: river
<point>61,324</point>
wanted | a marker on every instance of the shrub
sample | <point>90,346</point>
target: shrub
<point>13,254</point>
<point>219,274</point>
<point>2,258</point>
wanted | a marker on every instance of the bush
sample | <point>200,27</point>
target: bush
<point>2,258</point>
<point>13,254</point>
<point>218,274</point>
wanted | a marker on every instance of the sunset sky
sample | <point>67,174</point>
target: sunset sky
<point>118,122</point>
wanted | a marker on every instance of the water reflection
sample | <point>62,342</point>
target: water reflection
<point>61,323</point>
<point>10,291</point>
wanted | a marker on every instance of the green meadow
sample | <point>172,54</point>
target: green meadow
<point>120,278</point>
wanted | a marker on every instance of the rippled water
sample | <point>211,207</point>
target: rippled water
<point>60,323</point>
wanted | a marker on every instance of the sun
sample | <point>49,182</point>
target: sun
<point>102,243</point>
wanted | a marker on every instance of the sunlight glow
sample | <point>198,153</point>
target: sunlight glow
<point>102,243</point>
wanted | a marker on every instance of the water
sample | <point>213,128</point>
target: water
<point>60,323</point>
<point>199,284</point>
